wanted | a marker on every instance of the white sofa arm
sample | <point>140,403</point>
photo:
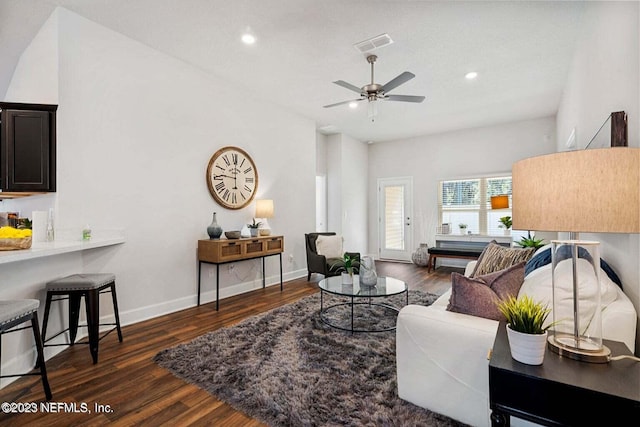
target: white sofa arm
<point>442,361</point>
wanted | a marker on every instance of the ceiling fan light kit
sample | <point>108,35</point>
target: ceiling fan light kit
<point>373,92</point>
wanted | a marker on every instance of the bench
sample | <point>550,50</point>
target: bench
<point>451,252</point>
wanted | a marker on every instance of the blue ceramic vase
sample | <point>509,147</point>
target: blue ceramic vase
<point>214,230</point>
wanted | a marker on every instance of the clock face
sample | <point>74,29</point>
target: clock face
<point>232,177</point>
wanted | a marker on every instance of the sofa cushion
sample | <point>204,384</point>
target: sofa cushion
<point>495,258</point>
<point>478,296</point>
<point>329,246</point>
<point>539,286</point>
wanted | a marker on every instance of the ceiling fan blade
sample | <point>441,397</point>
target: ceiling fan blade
<point>404,98</point>
<point>348,86</point>
<point>402,78</point>
<point>343,102</point>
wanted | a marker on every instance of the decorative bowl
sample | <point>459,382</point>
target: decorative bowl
<point>232,234</point>
<point>12,244</point>
<point>264,231</point>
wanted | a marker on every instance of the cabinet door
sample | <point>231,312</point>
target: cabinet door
<point>27,146</point>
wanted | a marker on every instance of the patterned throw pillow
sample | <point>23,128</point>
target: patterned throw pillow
<point>495,258</point>
<point>478,296</point>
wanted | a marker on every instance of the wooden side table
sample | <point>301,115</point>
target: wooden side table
<point>563,391</point>
<point>223,251</point>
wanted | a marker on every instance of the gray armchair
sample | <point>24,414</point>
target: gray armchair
<point>319,263</point>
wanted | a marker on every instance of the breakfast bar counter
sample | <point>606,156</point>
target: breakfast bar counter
<point>44,249</point>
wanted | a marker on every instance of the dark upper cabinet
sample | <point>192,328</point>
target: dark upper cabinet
<point>27,147</point>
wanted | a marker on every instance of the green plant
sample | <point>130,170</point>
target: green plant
<point>462,225</point>
<point>506,222</point>
<point>254,224</point>
<point>348,263</point>
<point>524,314</point>
<point>530,242</point>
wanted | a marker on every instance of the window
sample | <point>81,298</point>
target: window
<point>468,201</point>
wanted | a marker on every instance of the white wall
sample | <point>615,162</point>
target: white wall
<point>136,129</point>
<point>604,77</point>
<point>460,154</point>
<point>347,160</point>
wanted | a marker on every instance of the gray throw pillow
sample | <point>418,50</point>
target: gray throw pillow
<point>478,296</point>
<point>495,258</point>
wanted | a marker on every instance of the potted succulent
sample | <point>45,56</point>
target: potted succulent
<point>506,223</point>
<point>530,242</point>
<point>463,228</point>
<point>526,331</point>
<point>348,265</point>
<point>253,227</point>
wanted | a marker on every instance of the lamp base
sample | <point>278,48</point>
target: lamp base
<point>601,355</point>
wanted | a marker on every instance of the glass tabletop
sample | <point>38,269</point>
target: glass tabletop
<point>385,287</point>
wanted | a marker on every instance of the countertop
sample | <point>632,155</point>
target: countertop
<point>44,249</point>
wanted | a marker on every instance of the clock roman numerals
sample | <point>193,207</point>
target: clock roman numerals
<point>232,177</point>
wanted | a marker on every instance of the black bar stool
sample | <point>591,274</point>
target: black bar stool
<point>74,287</point>
<point>17,312</point>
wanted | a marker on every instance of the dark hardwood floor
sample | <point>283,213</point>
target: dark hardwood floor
<point>133,390</point>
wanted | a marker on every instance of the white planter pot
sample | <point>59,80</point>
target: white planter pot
<point>527,348</point>
<point>347,279</point>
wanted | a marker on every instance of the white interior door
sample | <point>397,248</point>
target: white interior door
<point>395,210</point>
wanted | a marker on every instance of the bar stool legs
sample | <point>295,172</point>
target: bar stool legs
<point>73,288</point>
<point>17,312</point>
<point>40,364</point>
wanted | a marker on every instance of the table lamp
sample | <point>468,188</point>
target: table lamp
<point>592,191</point>
<point>264,210</point>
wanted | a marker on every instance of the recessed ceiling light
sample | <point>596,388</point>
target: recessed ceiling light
<point>471,75</point>
<point>353,104</point>
<point>248,38</point>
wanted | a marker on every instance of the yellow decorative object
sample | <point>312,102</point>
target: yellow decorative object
<point>14,238</point>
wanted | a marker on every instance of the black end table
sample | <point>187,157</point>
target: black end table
<point>563,391</point>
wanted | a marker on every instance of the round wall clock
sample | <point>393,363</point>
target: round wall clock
<point>232,177</point>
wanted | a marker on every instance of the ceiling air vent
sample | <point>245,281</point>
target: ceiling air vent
<point>374,43</point>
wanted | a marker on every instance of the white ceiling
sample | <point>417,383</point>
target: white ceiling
<point>521,50</point>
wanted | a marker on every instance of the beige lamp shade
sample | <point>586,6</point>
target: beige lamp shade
<point>264,208</point>
<point>500,202</point>
<point>592,191</point>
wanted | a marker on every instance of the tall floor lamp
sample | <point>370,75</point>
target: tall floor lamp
<point>591,191</point>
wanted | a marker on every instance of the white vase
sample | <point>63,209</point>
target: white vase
<point>527,348</point>
<point>347,279</point>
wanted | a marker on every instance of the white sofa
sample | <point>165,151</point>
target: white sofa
<point>442,356</point>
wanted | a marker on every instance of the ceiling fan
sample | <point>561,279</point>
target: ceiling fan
<point>373,91</point>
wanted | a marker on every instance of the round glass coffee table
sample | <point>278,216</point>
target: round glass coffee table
<point>365,305</point>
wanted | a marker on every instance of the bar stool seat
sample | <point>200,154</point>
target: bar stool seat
<point>89,286</point>
<point>17,312</point>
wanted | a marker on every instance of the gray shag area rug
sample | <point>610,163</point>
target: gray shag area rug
<point>286,367</point>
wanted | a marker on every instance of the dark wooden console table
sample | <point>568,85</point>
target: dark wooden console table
<point>561,391</point>
<point>223,251</point>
